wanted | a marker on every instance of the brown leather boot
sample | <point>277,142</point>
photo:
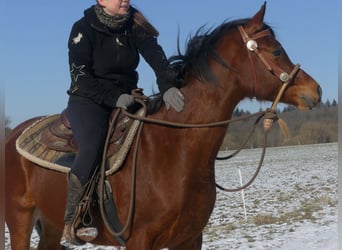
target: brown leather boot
<point>75,190</point>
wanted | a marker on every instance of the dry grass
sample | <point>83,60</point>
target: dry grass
<point>305,212</point>
<point>264,219</point>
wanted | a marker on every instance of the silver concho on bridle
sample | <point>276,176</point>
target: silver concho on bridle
<point>252,45</point>
<point>284,77</point>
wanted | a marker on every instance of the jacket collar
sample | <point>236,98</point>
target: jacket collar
<point>95,23</point>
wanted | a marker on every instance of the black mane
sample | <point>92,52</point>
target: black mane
<point>199,48</point>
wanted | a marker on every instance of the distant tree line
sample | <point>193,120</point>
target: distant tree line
<point>319,125</point>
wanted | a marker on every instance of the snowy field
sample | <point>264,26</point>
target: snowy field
<point>292,205</point>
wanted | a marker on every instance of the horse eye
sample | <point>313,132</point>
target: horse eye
<point>276,52</point>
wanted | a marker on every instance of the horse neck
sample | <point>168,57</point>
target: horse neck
<point>216,100</point>
<point>210,102</point>
<point>207,103</point>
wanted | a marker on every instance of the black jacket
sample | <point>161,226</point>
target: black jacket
<point>103,62</point>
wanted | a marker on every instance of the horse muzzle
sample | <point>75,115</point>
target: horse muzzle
<point>308,102</point>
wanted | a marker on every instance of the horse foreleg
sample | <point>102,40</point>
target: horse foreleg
<point>195,244</point>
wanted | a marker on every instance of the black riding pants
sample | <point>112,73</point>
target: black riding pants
<point>89,124</point>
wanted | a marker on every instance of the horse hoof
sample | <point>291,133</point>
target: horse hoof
<point>87,233</point>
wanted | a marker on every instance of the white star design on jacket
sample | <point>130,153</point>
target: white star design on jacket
<point>77,39</point>
<point>76,71</point>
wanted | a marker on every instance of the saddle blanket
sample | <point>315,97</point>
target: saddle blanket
<point>59,153</point>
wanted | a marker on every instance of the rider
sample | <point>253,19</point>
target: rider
<point>104,48</point>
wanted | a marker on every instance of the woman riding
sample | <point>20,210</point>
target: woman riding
<point>104,48</point>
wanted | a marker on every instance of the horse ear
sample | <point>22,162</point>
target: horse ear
<point>256,22</point>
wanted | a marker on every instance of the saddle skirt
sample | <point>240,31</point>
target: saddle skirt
<point>49,142</point>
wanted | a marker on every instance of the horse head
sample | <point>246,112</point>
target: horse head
<point>273,68</point>
<point>244,60</point>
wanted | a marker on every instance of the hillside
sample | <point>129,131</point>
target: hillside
<point>319,125</point>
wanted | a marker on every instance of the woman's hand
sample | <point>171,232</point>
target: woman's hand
<point>174,98</point>
<point>124,101</point>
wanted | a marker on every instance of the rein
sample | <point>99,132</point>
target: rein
<point>283,76</point>
<point>269,117</point>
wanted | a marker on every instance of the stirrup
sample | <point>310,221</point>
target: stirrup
<point>68,240</point>
<point>87,233</point>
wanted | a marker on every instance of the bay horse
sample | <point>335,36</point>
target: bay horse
<point>175,176</point>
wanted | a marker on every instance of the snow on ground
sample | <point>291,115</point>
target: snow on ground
<point>292,205</point>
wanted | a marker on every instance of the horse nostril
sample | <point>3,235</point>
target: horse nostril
<point>319,91</point>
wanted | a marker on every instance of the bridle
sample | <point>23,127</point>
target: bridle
<point>252,47</point>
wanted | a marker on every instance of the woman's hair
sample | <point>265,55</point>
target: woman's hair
<point>141,22</point>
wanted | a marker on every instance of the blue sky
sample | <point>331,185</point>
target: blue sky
<point>34,62</point>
